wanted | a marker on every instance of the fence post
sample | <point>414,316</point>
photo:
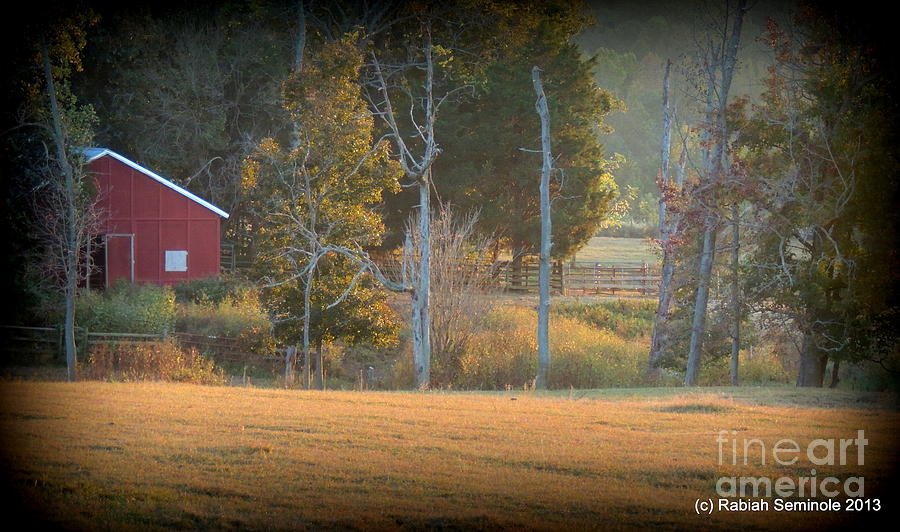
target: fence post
<point>644,278</point>
<point>289,356</point>
<point>306,369</point>
<point>613,284</point>
<point>82,352</point>
<point>562,277</point>
<point>60,343</point>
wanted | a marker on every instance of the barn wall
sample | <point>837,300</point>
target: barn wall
<point>160,219</point>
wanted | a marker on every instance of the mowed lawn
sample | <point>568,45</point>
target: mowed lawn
<point>145,456</point>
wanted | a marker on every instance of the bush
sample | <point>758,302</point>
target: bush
<point>150,361</point>
<point>504,354</point>
<point>628,318</point>
<point>764,367</point>
<point>212,290</point>
<point>241,317</point>
<point>127,308</point>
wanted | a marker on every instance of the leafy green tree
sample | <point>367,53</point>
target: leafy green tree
<point>484,165</point>
<point>818,147</point>
<point>318,200</point>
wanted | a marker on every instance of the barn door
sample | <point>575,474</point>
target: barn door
<point>119,258</point>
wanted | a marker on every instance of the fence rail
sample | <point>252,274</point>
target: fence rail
<point>219,347</point>
<point>230,261</point>
<point>43,343</point>
<point>20,343</point>
<point>567,278</point>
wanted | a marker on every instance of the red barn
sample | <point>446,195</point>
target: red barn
<point>152,230</point>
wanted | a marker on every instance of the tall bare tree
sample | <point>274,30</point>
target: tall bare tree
<point>659,341</point>
<point>736,301</point>
<point>66,208</point>
<point>416,157</point>
<point>543,332</point>
<point>460,283</point>
<point>720,56</point>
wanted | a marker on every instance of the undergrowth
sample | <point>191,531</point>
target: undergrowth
<point>154,361</point>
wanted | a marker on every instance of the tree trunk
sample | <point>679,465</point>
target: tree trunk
<point>714,165</point>
<point>659,340</point>
<point>835,378</point>
<point>418,168</point>
<point>320,366</point>
<point>71,233</point>
<point>307,289</point>
<point>698,323</point>
<point>735,294</point>
<point>812,362</point>
<point>307,370</point>
<point>543,333</point>
<point>297,66</point>
<point>301,37</point>
<point>421,318</point>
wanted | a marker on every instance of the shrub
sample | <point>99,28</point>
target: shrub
<point>212,290</point>
<point>628,318</point>
<point>764,367</point>
<point>503,354</point>
<point>459,288</point>
<point>150,361</point>
<point>127,308</point>
<point>714,371</point>
<point>241,317</point>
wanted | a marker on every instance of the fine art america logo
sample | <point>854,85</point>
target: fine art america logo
<point>806,492</point>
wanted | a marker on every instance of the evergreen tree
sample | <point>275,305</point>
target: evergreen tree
<point>484,165</point>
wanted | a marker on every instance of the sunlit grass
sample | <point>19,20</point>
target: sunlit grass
<point>99,455</point>
<point>610,249</point>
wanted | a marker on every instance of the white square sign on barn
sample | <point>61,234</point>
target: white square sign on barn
<point>176,260</point>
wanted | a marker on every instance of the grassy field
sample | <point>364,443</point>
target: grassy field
<point>609,249</point>
<point>147,456</point>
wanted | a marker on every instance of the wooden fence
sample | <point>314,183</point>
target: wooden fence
<point>27,344</point>
<point>219,347</point>
<point>640,279</point>
<point>30,343</point>
<point>230,261</point>
<point>567,278</point>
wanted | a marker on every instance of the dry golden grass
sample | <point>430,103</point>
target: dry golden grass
<point>148,456</point>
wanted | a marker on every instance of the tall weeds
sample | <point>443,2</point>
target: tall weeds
<point>155,361</point>
<point>503,354</point>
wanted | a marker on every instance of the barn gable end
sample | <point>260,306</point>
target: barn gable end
<point>153,230</point>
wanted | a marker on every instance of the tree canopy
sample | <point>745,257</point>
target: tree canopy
<point>322,193</point>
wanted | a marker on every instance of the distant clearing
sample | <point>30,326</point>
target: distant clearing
<point>606,249</point>
<point>144,456</point>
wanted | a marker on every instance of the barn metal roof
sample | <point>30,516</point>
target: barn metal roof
<point>96,153</point>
